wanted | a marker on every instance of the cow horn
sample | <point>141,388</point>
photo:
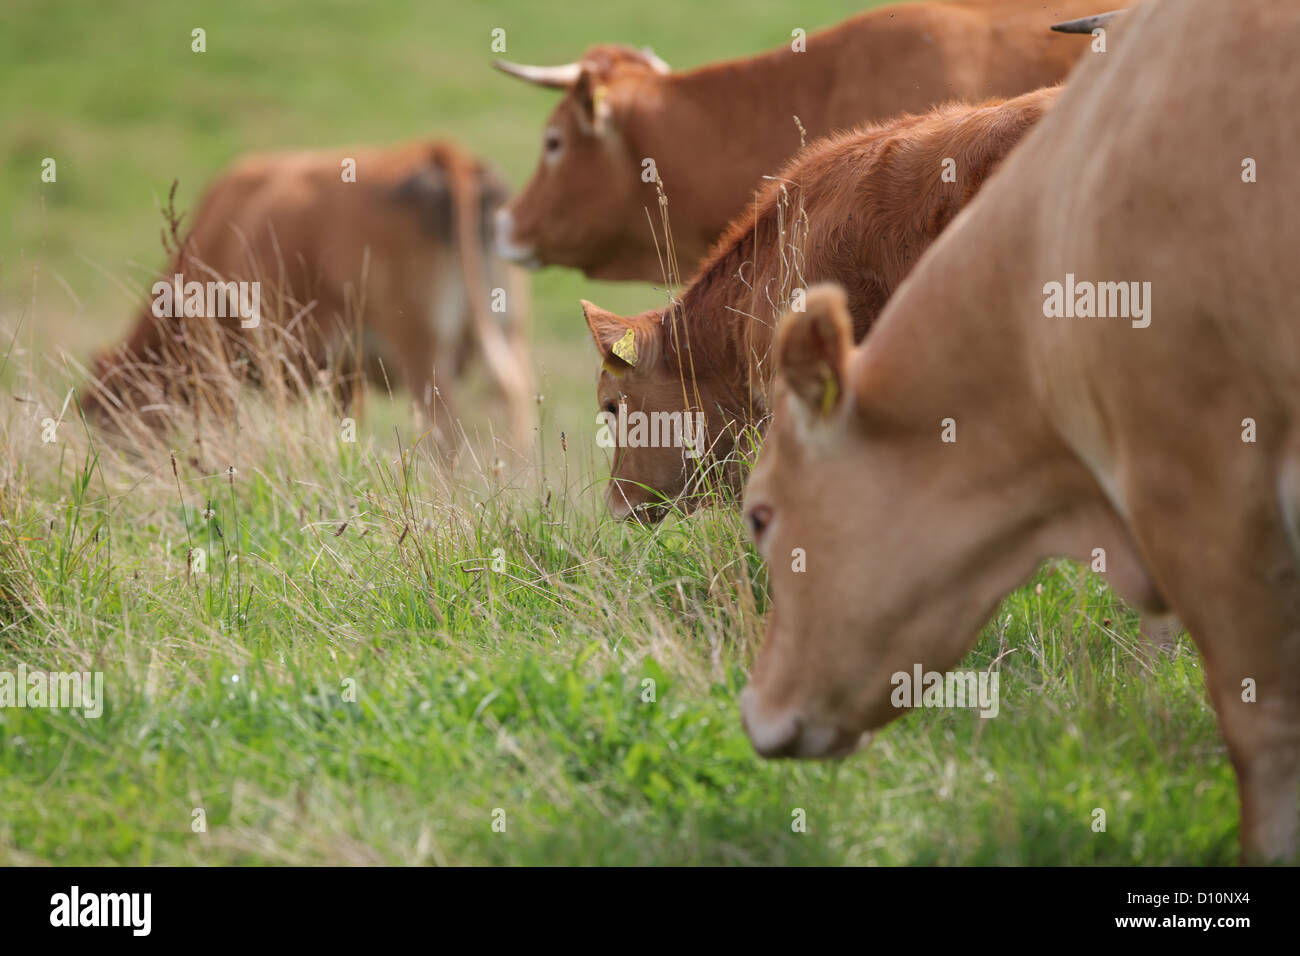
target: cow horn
<point>1086,24</point>
<point>556,77</point>
<point>656,63</point>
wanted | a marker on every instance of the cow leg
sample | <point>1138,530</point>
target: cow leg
<point>1268,788</point>
<point>431,379</point>
<point>1159,635</point>
<point>517,392</point>
<point>1237,588</point>
<point>447,427</point>
<point>347,386</point>
<point>1265,752</point>
<point>520,398</point>
<point>1252,671</point>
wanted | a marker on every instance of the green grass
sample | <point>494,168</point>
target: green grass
<point>360,566</point>
<point>522,689</point>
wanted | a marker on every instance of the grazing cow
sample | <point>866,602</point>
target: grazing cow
<point>858,208</point>
<point>979,430</point>
<point>714,131</point>
<point>359,255</point>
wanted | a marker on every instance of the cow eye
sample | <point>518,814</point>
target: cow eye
<point>552,142</point>
<point>611,408</point>
<point>759,517</point>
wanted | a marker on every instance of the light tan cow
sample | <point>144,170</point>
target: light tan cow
<point>1168,436</point>
<point>712,132</point>
<point>858,208</point>
<point>360,255</point>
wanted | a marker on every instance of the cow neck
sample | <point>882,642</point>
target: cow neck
<point>721,333</point>
<point>739,121</point>
<point>778,83</point>
<point>951,345</point>
<point>772,80</point>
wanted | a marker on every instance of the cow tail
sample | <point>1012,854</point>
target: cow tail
<point>498,353</point>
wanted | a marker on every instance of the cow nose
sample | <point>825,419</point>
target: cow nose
<point>619,506</point>
<point>505,240</point>
<point>791,735</point>
<point>771,737</point>
<point>626,504</point>
<point>505,225</point>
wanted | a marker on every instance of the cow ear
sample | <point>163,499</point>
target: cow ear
<point>812,348</point>
<point>591,100</point>
<point>621,347</point>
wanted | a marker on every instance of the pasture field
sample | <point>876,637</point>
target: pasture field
<point>380,660</point>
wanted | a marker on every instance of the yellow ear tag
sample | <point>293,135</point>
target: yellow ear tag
<point>830,392</point>
<point>625,348</point>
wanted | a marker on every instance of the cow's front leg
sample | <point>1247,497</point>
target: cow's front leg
<point>1261,726</point>
<point>432,381</point>
<point>1268,785</point>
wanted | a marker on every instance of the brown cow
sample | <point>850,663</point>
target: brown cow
<point>858,208</point>
<point>356,252</point>
<point>714,131</point>
<point>1167,433</point>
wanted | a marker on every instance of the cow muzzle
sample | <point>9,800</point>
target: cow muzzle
<point>629,504</point>
<point>789,734</point>
<point>505,242</point>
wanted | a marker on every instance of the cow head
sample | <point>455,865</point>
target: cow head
<point>584,205</point>
<point>124,386</point>
<point>886,547</point>
<point>686,433</point>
